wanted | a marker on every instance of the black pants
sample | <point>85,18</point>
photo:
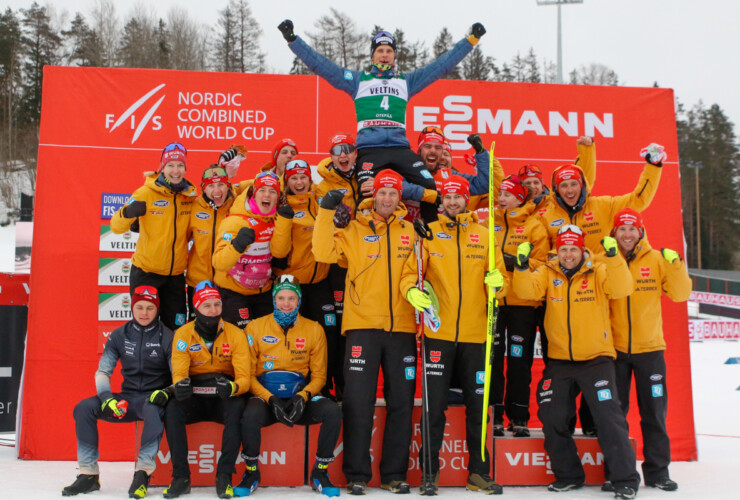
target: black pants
<point>516,329</point>
<point>652,399</point>
<point>317,304</point>
<point>335,341</point>
<point>395,353</point>
<point>467,360</point>
<point>204,409</point>
<point>405,162</point>
<point>240,309</point>
<point>171,289</point>
<point>556,396</point>
<point>319,410</point>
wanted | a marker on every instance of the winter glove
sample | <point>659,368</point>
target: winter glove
<point>243,239</point>
<point>420,300</point>
<point>183,389</point>
<point>610,245</point>
<point>295,408</point>
<point>476,31</point>
<point>332,199</point>
<point>494,279</point>
<point>342,216</point>
<point>476,142</point>
<point>231,159</point>
<point>509,261</point>
<point>286,28</point>
<point>422,229</point>
<point>278,409</point>
<point>522,255</point>
<point>286,211</point>
<point>111,410</point>
<point>670,255</point>
<point>134,209</point>
<point>159,398</point>
<point>224,387</point>
<point>654,154</point>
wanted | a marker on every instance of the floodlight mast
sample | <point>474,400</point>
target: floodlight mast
<point>560,38</point>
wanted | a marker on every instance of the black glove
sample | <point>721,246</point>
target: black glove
<point>228,155</point>
<point>286,211</point>
<point>183,389</point>
<point>278,409</point>
<point>476,142</point>
<point>286,28</point>
<point>159,397</point>
<point>243,239</point>
<point>509,261</point>
<point>422,229</point>
<point>295,408</point>
<point>224,387</point>
<point>134,209</point>
<point>332,199</point>
<point>342,216</point>
<point>477,30</point>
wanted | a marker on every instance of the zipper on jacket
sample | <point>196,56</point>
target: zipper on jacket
<point>570,333</point>
<point>459,284</point>
<point>141,357</point>
<point>390,275</point>
<point>629,324</point>
<point>315,263</point>
<point>503,244</point>
<point>213,241</point>
<point>174,236</point>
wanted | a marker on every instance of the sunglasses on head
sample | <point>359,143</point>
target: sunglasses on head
<point>529,169</point>
<point>432,129</point>
<point>571,228</point>
<point>146,290</point>
<point>215,172</point>
<point>338,149</point>
<point>266,174</point>
<point>296,164</point>
<point>174,145</point>
<point>204,284</point>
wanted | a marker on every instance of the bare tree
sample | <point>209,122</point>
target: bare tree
<point>106,25</point>
<point>188,41</point>
<point>338,38</point>
<point>594,74</point>
<point>236,46</point>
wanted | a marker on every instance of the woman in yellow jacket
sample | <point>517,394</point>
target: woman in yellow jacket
<point>379,326</point>
<point>209,210</point>
<point>572,203</point>
<point>242,257</point>
<point>455,263</point>
<point>211,370</point>
<point>288,372</point>
<point>161,207</point>
<point>292,255</point>
<point>577,290</point>
<point>637,326</point>
<point>516,326</point>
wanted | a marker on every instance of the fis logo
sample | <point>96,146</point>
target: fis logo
<point>138,122</point>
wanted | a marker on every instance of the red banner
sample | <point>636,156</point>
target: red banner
<point>101,128</point>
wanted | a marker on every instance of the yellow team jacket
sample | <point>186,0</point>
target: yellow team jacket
<point>292,239</point>
<point>225,256</point>
<point>597,214</point>
<point>374,255</point>
<point>229,355</point>
<point>203,231</point>
<point>513,227</point>
<point>577,314</point>
<point>332,180</point>
<point>163,245</point>
<point>636,320</point>
<point>455,262</point>
<point>301,349</point>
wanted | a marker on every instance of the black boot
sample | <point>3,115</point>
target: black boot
<point>85,483</point>
<point>320,480</point>
<point>223,486</point>
<point>178,486</point>
<point>139,485</point>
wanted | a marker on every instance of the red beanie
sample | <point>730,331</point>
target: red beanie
<point>213,175</point>
<point>266,179</point>
<point>390,179</point>
<point>570,235</point>
<point>173,151</point>
<point>513,184</point>
<point>279,146</point>
<point>627,217</point>
<point>342,139</point>
<point>566,173</point>
<point>205,292</point>
<point>296,166</point>
<point>530,170</point>
<point>430,135</point>
<point>456,184</point>
<point>148,293</point>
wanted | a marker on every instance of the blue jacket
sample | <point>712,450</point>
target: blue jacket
<point>349,81</point>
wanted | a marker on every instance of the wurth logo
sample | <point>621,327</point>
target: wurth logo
<point>584,284</point>
<point>645,272</point>
<point>138,121</point>
<point>356,351</point>
<point>435,356</point>
<point>519,229</point>
<point>589,216</point>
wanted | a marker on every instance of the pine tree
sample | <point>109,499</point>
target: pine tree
<point>237,46</point>
<point>476,66</point>
<point>10,83</point>
<point>85,48</point>
<point>442,44</point>
<point>594,74</point>
<point>531,68</point>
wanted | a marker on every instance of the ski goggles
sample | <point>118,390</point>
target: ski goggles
<point>570,228</point>
<point>213,175</point>
<point>530,170</point>
<point>294,167</point>
<point>204,284</point>
<point>338,149</point>
<point>173,146</point>
<point>148,291</point>
<point>267,179</point>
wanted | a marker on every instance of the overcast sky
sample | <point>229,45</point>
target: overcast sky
<point>688,45</point>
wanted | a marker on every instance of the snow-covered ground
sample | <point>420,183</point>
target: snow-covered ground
<point>714,476</point>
